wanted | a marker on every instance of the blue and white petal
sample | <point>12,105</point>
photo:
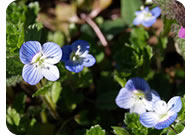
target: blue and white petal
<point>31,74</point>
<point>125,99</point>
<point>81,47</point>
<point>175,104</point>
<point>160,107</point>
<point>138,20</point>
<point>50,72</point>
<point>137,83</point>
<point>149,119</point>
<point>28,51</point>
<point>149,22</point>
<point>66,50</point>
<point>74,66</point>
<point>167,122</point>
<point>89,60</point>
<point>156,12</point>
<point>152,96</point>
<point>52,52</point>
<point>146,9</point>
<point>138,107</point>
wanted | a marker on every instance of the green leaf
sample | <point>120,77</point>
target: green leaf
<point>95,130</point>
<point>139,37</point>
<point>133,123</point>
<point>55,91</point>
<point>121,81</point>
<point>43,90</point>
<point>128,8</point>
<point>181,114</point>
<point>120,131</point>
<point>33,32</point>
<point>12,117</point>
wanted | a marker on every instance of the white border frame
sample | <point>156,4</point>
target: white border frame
<point>3,128</point>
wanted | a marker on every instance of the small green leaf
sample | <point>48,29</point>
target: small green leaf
<point>12,117</point>
<point>55,91</point>
<point>120,131</point>
<point>133,123</point>
<point>95,130</point>
<point>43,90</point>
<point>119,80</point>
<point>139,37</point>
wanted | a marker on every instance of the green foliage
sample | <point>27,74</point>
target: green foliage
<point>21,27</point>
<point>87,98</point>
<point>95,130</point>
<point>120,131</point>
<point>135,127</point>
<point>12,117</point>
<point>12,81</point>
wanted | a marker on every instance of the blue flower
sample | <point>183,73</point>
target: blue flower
<point>76,56</point>
<point>147,17</point>
<point>39,61</point>
<point>163,115</point>
<point>137,96</point>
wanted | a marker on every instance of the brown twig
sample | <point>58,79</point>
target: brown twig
<point>95,28</point>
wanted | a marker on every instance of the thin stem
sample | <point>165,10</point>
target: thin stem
<point>50,108</point>
<point>52,111</point>
<point>95,28</point>
<point>173,129</point>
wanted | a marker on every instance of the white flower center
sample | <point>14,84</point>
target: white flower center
<point>76,56</point>
<point>38,60</point>
<point>145,15</point>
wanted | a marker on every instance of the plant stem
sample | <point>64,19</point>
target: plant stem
<point>173,129</point>
<point>52,111</point>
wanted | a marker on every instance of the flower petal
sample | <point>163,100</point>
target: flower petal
<point>148,119</point>
<point>74,66</point>
<point>28,51</point>
<point>138,20</point>
<point>138,107</point>
<point>52,52</point>
<point>137,83</point>
<point>156,12</point>
<point>124,99</point>
<point>175,104</point>
<point>66,50</point>
<point>84,46</point>
<point>160,107</point>
<point>167,122</point>
<point>50,72</point>
<point>31,74</point>
<point>181,33</point>
<point>138,13</point>
<point>150,98</point>
<point>146,9</point>
<point>89,60</point>
<point>149,22</point>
